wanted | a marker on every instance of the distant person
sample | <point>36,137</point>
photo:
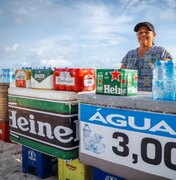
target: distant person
<point>143,58</point>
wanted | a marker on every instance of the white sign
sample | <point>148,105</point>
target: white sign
<point>144,141</point>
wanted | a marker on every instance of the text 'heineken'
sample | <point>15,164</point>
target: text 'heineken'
<point>120,82</point>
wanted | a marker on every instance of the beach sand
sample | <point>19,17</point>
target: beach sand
<point>11,163</point>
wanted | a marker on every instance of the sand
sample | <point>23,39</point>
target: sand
<point>11,163</point>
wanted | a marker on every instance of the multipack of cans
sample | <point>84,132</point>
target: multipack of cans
<point>74,79</point>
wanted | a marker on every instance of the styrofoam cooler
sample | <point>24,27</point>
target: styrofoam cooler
<point>129,137</point>
<point>73,170</point>
<point>37,163</point>
<point>45,120</point>
<point>102,175</point>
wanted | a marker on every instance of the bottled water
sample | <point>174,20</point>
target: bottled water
<point>12,75</point>
<point>170,81</point>
<point>7,75</point>
<point>0,75</point>
<point>86,135</point>
<point>158,80</point>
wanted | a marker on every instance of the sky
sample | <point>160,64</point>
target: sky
<point>79,33</point>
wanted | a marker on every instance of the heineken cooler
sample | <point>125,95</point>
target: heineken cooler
<point>45,120</point>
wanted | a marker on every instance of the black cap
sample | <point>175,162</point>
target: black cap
<point>149,25</point>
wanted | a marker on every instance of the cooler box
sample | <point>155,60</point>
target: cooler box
<point>37,163</point>
<point>42,79</point>
<point>133,137</point>
<point>45,120</point>
<point>102,175</point>
<point>73,170</point>
<point>119,82</point>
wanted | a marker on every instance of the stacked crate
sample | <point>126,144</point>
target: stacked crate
<point>37,163</point>
<point>102,175</point>
<point>73,170</point>
<point>4,120</point>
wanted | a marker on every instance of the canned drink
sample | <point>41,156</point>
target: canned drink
<point>23,78</point>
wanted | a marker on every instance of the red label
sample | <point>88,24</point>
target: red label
<point>74,79</point>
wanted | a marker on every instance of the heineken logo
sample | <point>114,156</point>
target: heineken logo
<point>61,131</point>
<point>123,81</point>
<point>116,81</point>
<point>115,75</point>
<point>113,90</point>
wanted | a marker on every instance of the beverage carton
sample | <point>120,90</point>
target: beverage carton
<point>119,82</point>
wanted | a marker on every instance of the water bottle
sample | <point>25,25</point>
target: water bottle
<point>12,75</point>
<point>0,75</point>
<point>8,75</point>
<point>86,135</point>
<point>158,80</point>
<point>5,75</point>
<point>170,81</point>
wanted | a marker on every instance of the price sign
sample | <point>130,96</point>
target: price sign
<point>145,141</point>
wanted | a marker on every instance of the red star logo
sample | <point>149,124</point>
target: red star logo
<point>115,75</point>
<point>100,81</point>
<point>123,81</point>
<point>135,78</point>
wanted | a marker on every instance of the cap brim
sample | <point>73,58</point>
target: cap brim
<point>142,24</point>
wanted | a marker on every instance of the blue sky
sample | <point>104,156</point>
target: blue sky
<point>79,33</point>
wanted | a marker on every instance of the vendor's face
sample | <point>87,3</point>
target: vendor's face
<point>145,36</point>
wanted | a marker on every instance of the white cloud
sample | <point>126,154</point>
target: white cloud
<point>171,3</point>
<point>168,14</point>
<point>55,62</point>
<point>81,33</point>
<point>12,48</point>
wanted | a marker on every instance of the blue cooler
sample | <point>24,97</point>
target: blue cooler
<point>101,175</point>
<point>37,163</point>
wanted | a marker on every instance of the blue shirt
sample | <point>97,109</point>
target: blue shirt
<point>145,64</point>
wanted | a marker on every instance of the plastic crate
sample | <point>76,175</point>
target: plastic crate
<point>4,131</point>
<point>101,175</point>
<point>73,170</point>
<point>37,163</point>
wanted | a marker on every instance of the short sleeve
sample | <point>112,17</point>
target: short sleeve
<point>125,60</point>
<point>165,54</point>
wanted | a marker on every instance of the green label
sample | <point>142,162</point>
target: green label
<point>121,82</point>
<point>66,107</point>
<point>41,74</point>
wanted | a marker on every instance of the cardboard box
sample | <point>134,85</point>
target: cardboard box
<point>119,82</point>
<point>42,79</point>
<point>23,78</point>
